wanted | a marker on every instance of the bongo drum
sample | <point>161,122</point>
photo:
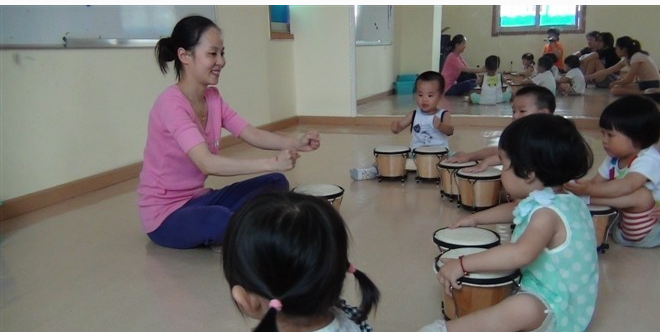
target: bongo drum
<point>331,192</point>
<point>479,191</point>
<point>452,238</point>
<point>447,172</point>
<point>391,161</point>
<point>479,290</point>
<point>426,160</point>
<point>602,218</point>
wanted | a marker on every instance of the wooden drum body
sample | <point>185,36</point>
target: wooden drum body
<point>479,191</point>
<point>426,160</point>
<point>447,172</point>
<point>602,217</point>
<point>479,290</point>
<point>453,238</point>
<point>334,194</point>
<point>391,161</point>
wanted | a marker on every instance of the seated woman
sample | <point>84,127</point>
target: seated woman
<point>454,66</point>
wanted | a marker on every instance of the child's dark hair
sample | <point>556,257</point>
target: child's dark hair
<point>186,34</point>
<point>548,145</point>
<point>554,31</point>
<point>292,248</point>
<point>572,61</point>
<point>492,62</point>
<point>607,39</point>
<point>637,117</point>
<point>546,62</point>
<point>552,57</point>
<point>529,57</point>
<point>430,76</point>
<point>544,97</point>
<point>631,46</point>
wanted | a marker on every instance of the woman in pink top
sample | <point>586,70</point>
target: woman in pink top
<point>454,65</point>
<point>183,140</point>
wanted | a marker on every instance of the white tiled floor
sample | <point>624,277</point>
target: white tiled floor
<point>85,265</point>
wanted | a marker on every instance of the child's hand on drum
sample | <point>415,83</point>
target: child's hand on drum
<point>286,160</point>
<point>458,157</point>
<point>478,168</point>
<point>578,187</point>
<point>466,221</point>
<point>449,273</point>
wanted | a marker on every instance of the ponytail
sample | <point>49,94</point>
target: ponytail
<point>165,53</point>
<point>370,294</point>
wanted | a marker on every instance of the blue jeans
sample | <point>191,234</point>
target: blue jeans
<point>461,88</point>
<point>202,221</point>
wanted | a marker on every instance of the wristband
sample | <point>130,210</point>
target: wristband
<point>460,260</point>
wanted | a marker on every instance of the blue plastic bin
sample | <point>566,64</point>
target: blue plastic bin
<point>404,87</point>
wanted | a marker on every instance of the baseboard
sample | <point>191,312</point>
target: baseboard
<point>375,97</point>
<point>31,202</point>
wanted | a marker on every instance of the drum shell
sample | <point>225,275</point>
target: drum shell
<point>447,175</point>
<point>427,162</point>
<point>478,193</point>
<point>601,220</point>
<point>391,164</point>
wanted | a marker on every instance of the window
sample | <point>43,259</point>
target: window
<point>517,19</point>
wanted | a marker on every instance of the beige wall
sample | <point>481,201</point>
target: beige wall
<point>639,22</point>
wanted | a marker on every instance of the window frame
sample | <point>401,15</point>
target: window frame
<point>496,30</point>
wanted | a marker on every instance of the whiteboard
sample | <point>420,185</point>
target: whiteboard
<point>46,26</point>
<point>373,25</point>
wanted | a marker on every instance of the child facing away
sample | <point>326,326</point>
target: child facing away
<point>429,125</point>
<point>285,258</point>
<point>493,90</point>
<point>554,232</point>
<point>629,178</point>
<point>572,83</point>
<point>530,99</point>
<point>544,77</point>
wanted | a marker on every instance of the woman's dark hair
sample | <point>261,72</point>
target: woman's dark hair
<point>545,99</point>
<point>185,35</point>
<point>529,57</point>
<point>458,39</point>
<point>548,145</point>
<point>607,39</point>
<point>637,117</point>
<point>430,76</point>
<point>492,62</point>
<point>572,61</point>
<point>631,46</point>
<point>546,61</point>
<point>294,248</point>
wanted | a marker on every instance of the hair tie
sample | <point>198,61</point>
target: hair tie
<point>351,268</point>
<point>275,304</point>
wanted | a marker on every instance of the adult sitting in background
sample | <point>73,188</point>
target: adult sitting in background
<point>604,57</point>
<point>455,65</point>
<point>642,73</point>
<point>592,46</point>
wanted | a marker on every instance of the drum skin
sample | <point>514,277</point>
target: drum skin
<point>331,192</point>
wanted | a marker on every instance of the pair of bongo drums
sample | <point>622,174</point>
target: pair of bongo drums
<point>479,290</point>
<point>333,193</point>
<point>473,191</point>
<point>603,218</point>
<point>392,162</point>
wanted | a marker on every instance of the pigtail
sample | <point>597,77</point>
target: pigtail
<point>269,322</point>
<point>369,293</point>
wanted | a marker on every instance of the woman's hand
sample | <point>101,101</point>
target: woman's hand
<point>310,141</point>
<point>465,221</point>
<point>286,160</point>
<point>458,157</point>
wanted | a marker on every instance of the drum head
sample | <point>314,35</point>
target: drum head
<point>328,191</point>
<point>391,149</point>
<point>600,209</point>
<point>452,238</point>
<point>430,149</point>
<point>490,173</point>
<point>445,164</point>
<point>477,278</point>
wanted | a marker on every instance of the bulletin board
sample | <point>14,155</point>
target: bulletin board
<point>91,26</point>
<point>373,25</point>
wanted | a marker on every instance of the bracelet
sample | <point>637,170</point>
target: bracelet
<point>460,260</point>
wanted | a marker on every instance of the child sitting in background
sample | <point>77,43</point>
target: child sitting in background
<point>529,69</point>
<point>285,258</point>
<point>572,83</point>
<point>629,178</point>
<point>553,241</point>
<point>544,77</point>
<point>429,126</point>
<point>554,69</point>
<point>492,86</point>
